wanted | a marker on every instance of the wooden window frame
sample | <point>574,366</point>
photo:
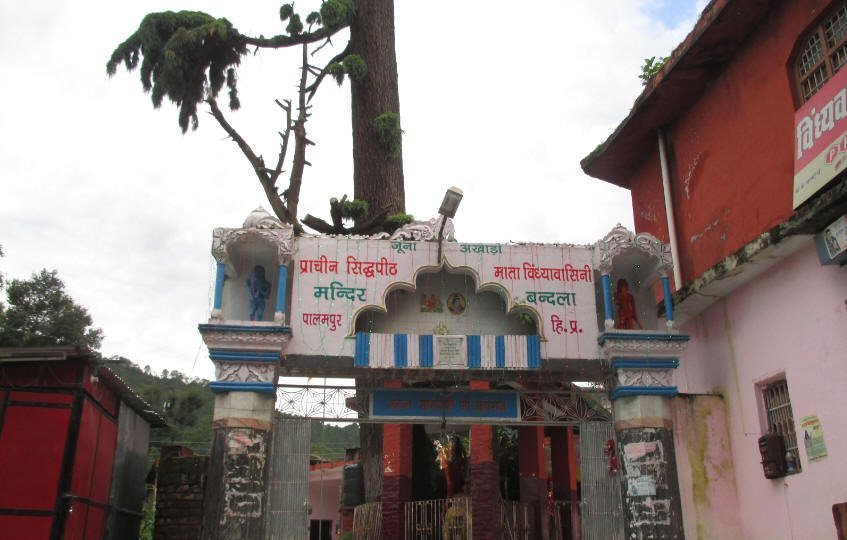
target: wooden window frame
<point>827,57</point>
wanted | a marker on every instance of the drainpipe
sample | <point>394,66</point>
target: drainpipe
<point>666,185</point>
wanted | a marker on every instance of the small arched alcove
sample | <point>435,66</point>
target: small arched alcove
<point>445,320</point>
<point>245,256</point>
<point>632,265</point>
<point>260,248</point>
<point>447,301</point>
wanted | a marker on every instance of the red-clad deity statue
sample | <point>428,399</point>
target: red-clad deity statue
<point>627,314</point>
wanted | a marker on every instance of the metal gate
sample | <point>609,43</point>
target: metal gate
<point>602,504</point>
<point>287,515</point>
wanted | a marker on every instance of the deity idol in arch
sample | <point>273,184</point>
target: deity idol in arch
<point>259,290</point>
<point>625,302</point>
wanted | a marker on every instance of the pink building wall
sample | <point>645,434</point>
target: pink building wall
<point>325,493</point>
<point>792,320</point>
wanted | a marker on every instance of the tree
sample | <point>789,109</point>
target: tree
<point>2,276</point>
<point>40,313</point>
<point>190,56</point>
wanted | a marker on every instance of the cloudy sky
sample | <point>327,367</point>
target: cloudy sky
<point>501,99</point>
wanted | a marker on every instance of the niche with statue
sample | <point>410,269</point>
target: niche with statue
<point>634,276</point>
<point>252,269</point>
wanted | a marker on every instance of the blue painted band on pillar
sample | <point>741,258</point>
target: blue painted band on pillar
<point>607,296</point>
<point>666,287</point>
<point>630,391</point>
<point>220,275</point>
<point>281,284</point>
<point>260,387</point>
<point>644,363</point>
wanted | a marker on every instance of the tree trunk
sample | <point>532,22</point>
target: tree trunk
<point>377,178</point>
<point>370,438</point>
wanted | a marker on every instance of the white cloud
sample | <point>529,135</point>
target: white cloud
<point>499,101</point>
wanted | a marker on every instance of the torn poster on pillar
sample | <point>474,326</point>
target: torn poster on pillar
<point>643,486</point>
<point>643,459</point>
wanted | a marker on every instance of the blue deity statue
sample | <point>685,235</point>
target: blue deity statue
<point>259,290</point>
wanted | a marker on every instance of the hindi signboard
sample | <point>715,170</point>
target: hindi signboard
<point>409,404</point>
<point>336,279</point>
<point>820,138</point>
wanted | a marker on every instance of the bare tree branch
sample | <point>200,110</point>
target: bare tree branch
<point>312,88</point>
<point>367,226</point>
<point>283,149</point>
<point>322,45</point>
<point>259,168</point>
<point>300,140</point>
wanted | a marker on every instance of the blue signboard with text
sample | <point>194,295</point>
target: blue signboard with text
<point>409,404</point>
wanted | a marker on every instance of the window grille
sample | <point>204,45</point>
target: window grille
<point>823,53</point>
<point>781,417</point>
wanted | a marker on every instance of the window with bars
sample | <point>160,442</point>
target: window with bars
<point>822,53</point>
<point>780,416</point>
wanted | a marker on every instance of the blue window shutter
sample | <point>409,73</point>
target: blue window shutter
<point>363,346</point>
<point>401,351</point>
<point>500,351</point>
<point>474,352</point>
<point>425,346</point>
<point>533,351</point>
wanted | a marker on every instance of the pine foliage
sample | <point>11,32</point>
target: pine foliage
<point>177,50</point>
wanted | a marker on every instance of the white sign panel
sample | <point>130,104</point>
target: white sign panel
<point>336,279</point>
<point>450,351</point>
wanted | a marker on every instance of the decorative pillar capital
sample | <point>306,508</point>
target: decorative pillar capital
<point>643,362</point>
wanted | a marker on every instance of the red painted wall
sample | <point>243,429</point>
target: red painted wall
<point>731,153</point>
<point>37,432</point>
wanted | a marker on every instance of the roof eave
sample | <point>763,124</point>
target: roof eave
<point>716,37</point>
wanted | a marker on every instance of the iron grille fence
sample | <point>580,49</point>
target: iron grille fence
<point>564,520</point>
<point>367,521</point>
<point>519,521</point>
<point>341,403</point>
<point>439,519</point>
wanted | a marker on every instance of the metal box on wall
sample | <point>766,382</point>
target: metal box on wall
<point>772,449</point>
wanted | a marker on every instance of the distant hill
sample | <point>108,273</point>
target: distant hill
<point>187,405</point>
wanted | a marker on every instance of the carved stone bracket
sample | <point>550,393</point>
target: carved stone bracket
<point>621,239</point>
<point>645,377</point>
<point>246,372</point>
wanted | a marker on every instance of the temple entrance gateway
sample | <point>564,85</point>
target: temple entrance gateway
<point>456,336</point>
<point>575,427</point>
